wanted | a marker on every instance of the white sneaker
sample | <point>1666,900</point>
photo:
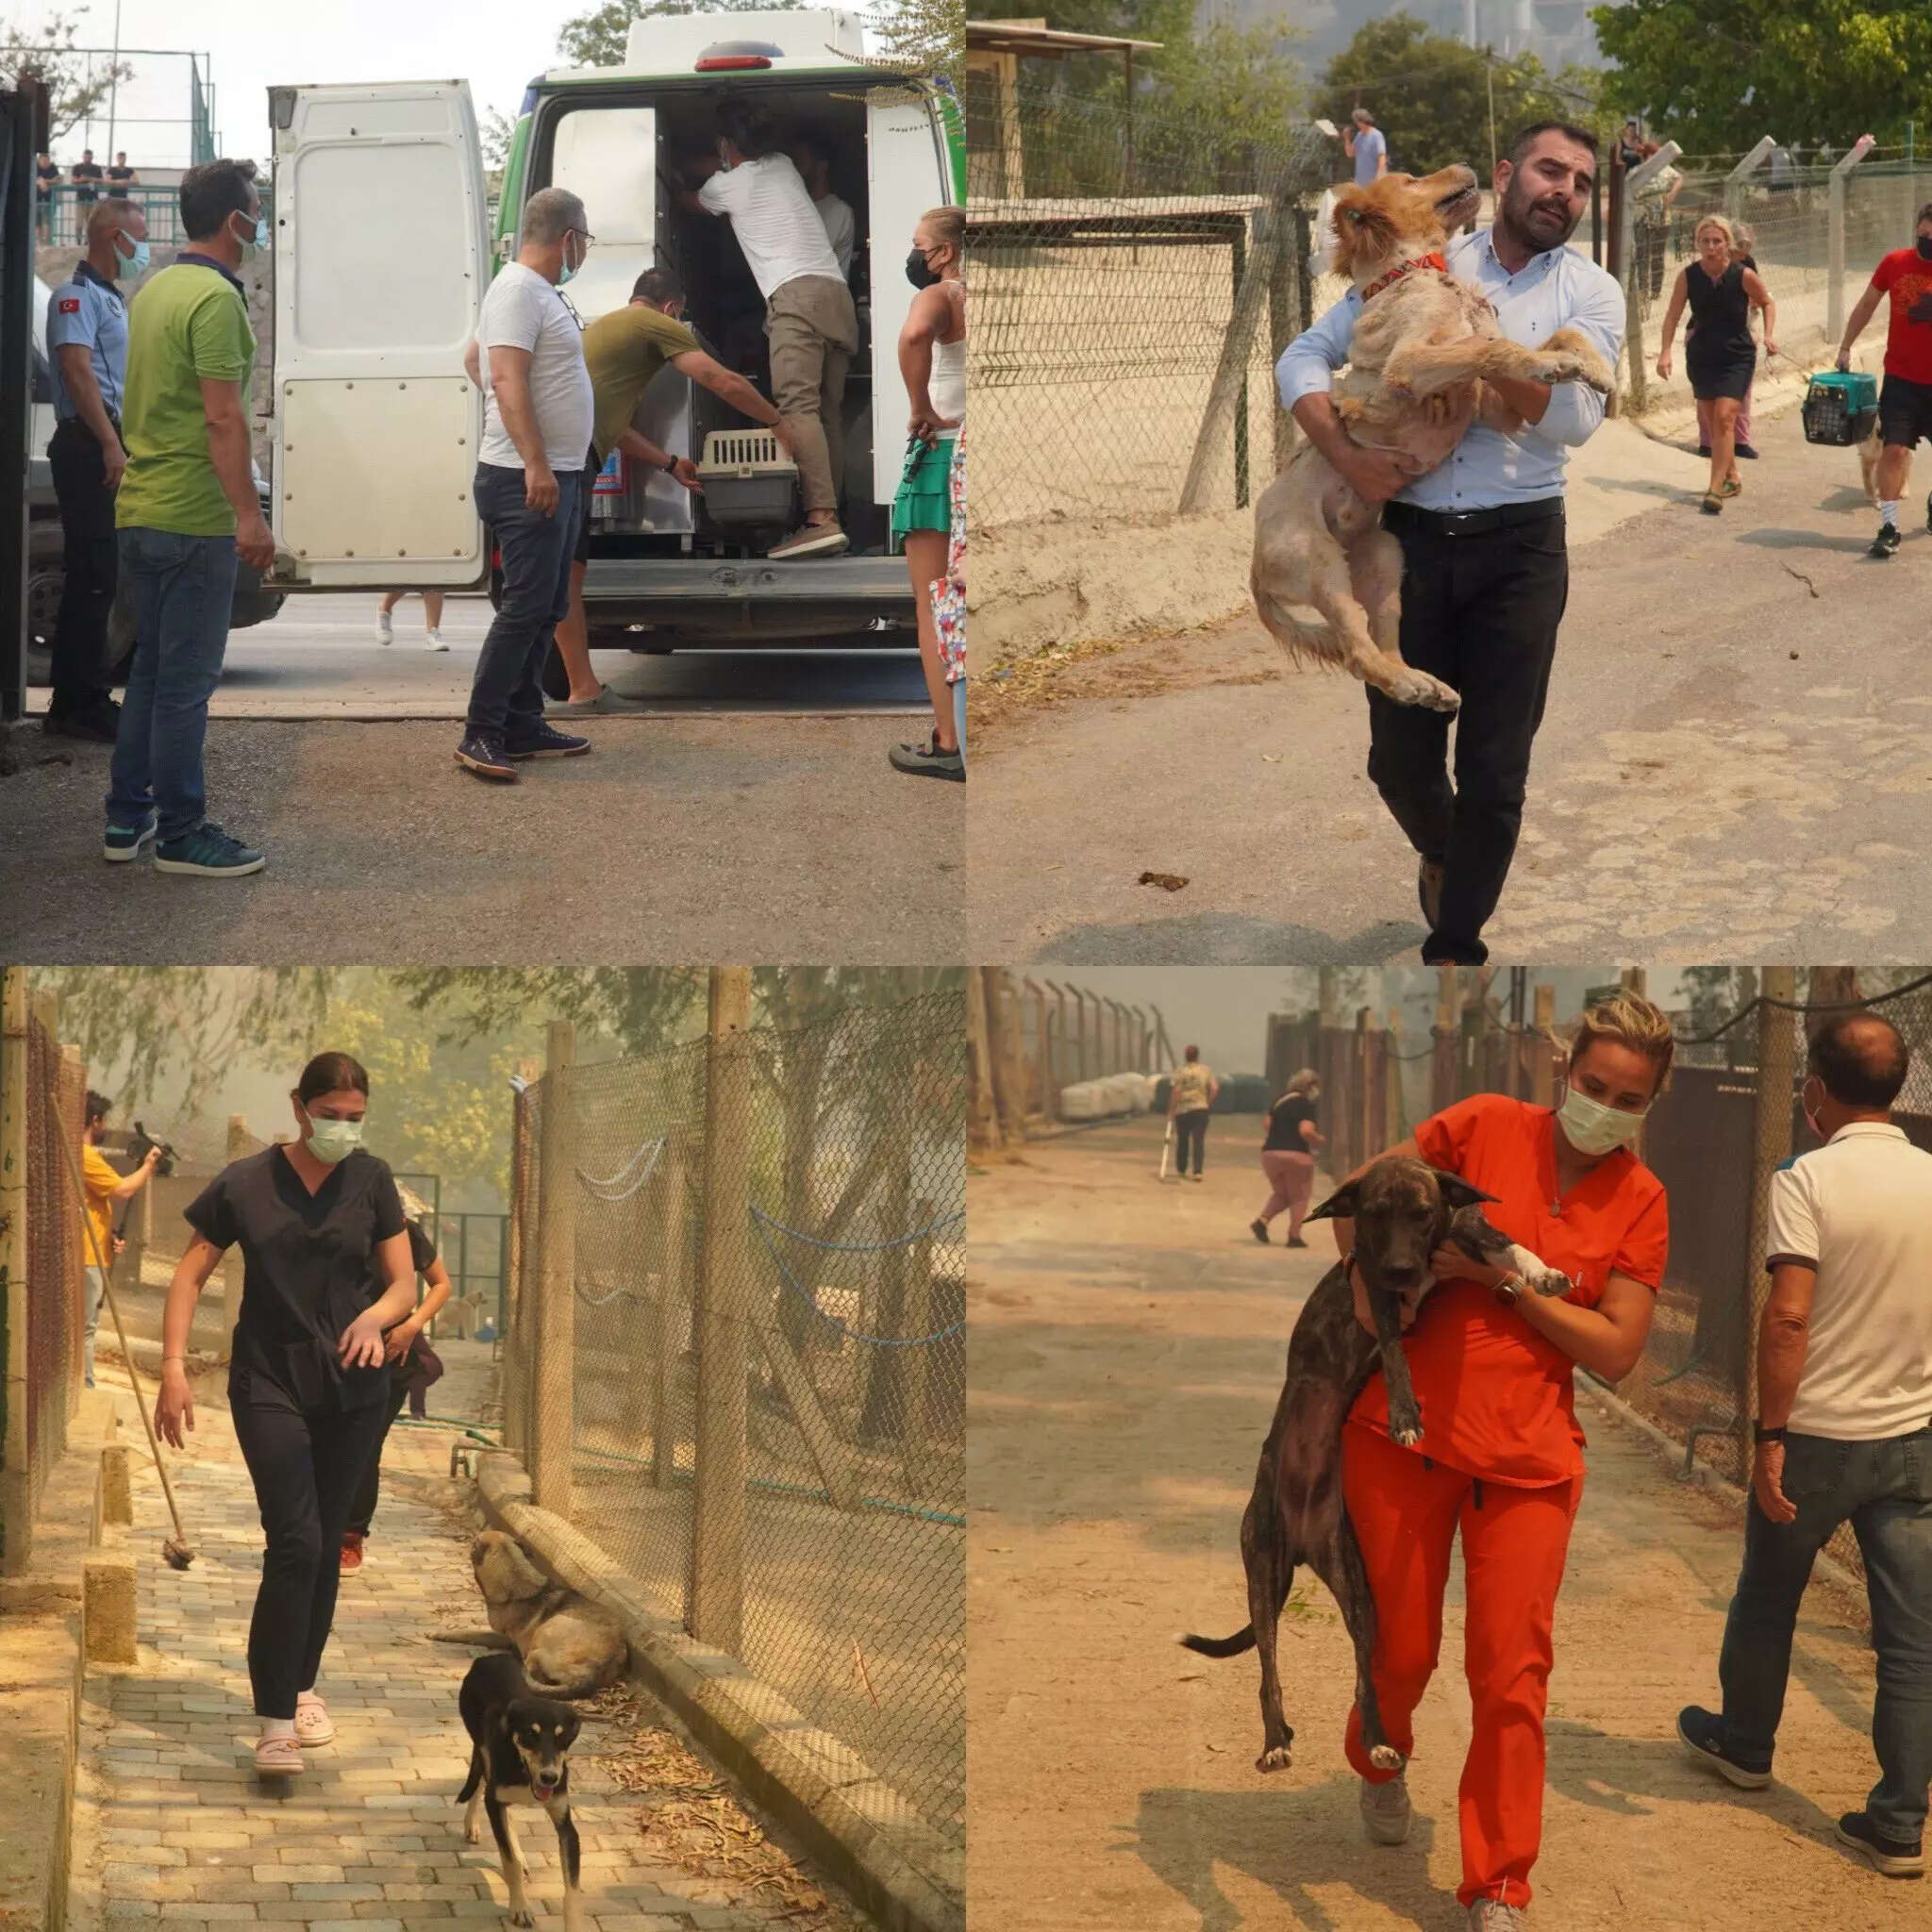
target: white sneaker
<point>1493,1915</point>
<point>385,629</point>
<point>432,640</point>
<point>1386,1810</point>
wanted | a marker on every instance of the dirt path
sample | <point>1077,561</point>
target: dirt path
<point>1733,764</point>
<point>1126,1348</point>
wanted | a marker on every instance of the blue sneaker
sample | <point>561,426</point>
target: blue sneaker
<point>546,741</point>
<point>485,755</point>
<point>123,842</point>
<point>1703,1734</point>
<point>209,852</point>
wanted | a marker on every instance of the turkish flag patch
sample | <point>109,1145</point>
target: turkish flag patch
<point>69,304</point>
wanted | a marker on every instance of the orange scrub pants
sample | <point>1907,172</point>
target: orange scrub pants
<point>1407,1510</point>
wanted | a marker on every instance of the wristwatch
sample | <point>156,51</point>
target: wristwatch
<point>1509,1290</point>
<point>670,466</point>
<point>1761,1434</point>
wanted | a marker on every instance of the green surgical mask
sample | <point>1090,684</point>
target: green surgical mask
<point>333,1141</point>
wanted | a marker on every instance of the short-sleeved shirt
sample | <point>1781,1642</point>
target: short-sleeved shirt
<point>1371,144</point>
<point>1906,276</point>
<point>98,1180</point>
<point>190,325</point>
<point>87,312</point>
<point>309,1271</point>
<point>523,310</point>
<point>624,352</point>
<point>85,175</point>
<point>1191,1087</point>
<point>1285,1119</point>
<point>774,221</point>
<point>1497,1398</point>
<point>841,229</point>
<point>1859,1210</point>
<point>47,177</point>
<point>119,177</point>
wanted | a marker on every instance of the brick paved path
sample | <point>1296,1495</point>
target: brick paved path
<point>369,1838</point>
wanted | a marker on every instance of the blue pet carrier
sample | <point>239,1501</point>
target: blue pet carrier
<point>1841,408</point>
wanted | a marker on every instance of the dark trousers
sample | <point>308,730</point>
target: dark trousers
<point>363,1510</point>
<point>90,565</point>
<point>1884,1490</point>
<point>506,697</point>
<point>306,1467</point>
<point>1481,613</point>
<point>1190,1130</point>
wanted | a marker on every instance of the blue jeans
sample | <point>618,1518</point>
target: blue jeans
<point>94,1321</point>
<point>1884,1490</point>
<point>184,589</point>
<point>506,699</point>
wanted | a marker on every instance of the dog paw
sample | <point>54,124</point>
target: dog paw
<point>1276,1758</point>
<point>1405,1437</point>
<point>1550,1282</point>
<point>1386,1757</point>
<point>1419,688</point>
<point>473,1834</point>
<point>520,1916</point>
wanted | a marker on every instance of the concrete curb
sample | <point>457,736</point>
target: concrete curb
<point>852,1823</point>
<point>1619,1411</point>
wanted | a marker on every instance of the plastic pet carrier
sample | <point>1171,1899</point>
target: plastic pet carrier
<point>1841,408</point>
<point>748,478</point>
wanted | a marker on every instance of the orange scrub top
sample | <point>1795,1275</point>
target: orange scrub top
<point>1497,1399</point>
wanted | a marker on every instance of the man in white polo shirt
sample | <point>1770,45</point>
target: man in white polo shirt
<point>1844,1434</point>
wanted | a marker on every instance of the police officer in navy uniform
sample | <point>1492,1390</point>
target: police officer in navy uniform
<point>87,343</point>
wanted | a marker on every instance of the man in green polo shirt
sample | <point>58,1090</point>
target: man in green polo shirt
<point>186,507</point>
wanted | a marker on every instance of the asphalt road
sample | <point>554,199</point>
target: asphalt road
<point>749,815</point>
<point>1735,764</point>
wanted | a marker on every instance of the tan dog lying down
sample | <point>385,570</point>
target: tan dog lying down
<point>1327,577</point>
<point>569,1647</point>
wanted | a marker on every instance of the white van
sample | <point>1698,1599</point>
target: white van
<point>383,251</point>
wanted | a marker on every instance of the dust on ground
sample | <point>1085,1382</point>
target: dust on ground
<point>1127,1345</point>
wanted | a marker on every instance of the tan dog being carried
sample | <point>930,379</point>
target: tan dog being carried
<point>569,1647</point>
<point>1327,577</point>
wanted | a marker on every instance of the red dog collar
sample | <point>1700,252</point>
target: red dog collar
<point>1404,268</point>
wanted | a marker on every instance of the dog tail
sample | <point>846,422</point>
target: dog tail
<point>475,1776</point>
<point>474,1639</point>
<point>1243,1640</point>
<point>586,1686</point>
<point>1306,642</point>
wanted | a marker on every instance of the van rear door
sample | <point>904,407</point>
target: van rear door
<point>906,162</point>
<point>380,267</point>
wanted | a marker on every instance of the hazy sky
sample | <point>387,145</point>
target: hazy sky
<point>496,46</point>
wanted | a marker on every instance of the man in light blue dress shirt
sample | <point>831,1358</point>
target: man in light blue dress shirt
<point>1485,569</point>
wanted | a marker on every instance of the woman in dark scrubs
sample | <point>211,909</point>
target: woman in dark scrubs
<point>308,1384</point>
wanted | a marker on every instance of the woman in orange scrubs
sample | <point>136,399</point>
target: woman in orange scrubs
<point>1501,1457</point>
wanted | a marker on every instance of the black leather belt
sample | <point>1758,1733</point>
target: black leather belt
<point>1469,522</point>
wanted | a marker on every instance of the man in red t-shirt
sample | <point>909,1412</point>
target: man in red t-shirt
<point>1905,401</point>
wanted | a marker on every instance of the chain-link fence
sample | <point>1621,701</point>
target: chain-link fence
<point>1786,215</point>
<point>1133,275</point>
<point>749,1256</point>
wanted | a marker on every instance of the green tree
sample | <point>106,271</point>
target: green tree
<point>598,38</point>
<point>1440,102</point>
<point>77,84</point>
<point>1716,75</point>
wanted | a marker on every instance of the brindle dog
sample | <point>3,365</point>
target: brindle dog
<point>1403,1210</point>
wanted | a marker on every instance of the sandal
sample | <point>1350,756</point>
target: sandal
<point>312,1722</point>
<point>1712,505</point>
<point>1731,486</point>
<point>279,1757</point>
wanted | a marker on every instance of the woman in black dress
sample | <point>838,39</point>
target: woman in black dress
<point>1719,355</point>
<point>308,1385</point>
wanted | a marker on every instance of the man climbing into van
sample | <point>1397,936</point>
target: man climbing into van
<point>809,317</point>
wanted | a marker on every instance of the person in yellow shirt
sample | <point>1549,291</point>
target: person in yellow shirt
<point>103,1186</point>
<point>1191,1088</point>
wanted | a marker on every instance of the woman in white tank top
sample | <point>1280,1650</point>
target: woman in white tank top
<point>932,359</point>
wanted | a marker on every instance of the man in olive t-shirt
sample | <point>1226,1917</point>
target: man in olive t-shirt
<point>186,509</point>
<point>1191,1088</point>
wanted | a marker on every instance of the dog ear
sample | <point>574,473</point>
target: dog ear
<point>1339,1205</point>
<point>1457,1191</point>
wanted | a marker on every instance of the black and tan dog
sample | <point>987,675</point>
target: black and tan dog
<point>1403,1211</point>
<point>519,1745</point>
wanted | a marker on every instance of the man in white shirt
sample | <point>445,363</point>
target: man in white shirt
<point>1486,572</point>
<point>538,417</point>
<point>1844,1434</point>
<point>814,167</point>
<point>809,317</point>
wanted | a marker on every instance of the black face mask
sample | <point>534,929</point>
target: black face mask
<point>920,271</point>
<point>1925,246</point>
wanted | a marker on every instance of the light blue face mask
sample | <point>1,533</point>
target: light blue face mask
<point>258,241</point>
<point>133,266</point>
<point>334,1141</point>
<point>568,270</point>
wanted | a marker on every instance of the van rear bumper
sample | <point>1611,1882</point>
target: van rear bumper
<point>691,598</point>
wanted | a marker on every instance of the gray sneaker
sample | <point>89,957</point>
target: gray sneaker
<point>607,704</point>
<point>1386,1811</point>
<point>1493,1915</point>
<point>809,540</point>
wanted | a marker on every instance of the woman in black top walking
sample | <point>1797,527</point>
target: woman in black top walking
<point>308,1385</point>
<point>1288,1157</point>
<point>1719,355</point>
